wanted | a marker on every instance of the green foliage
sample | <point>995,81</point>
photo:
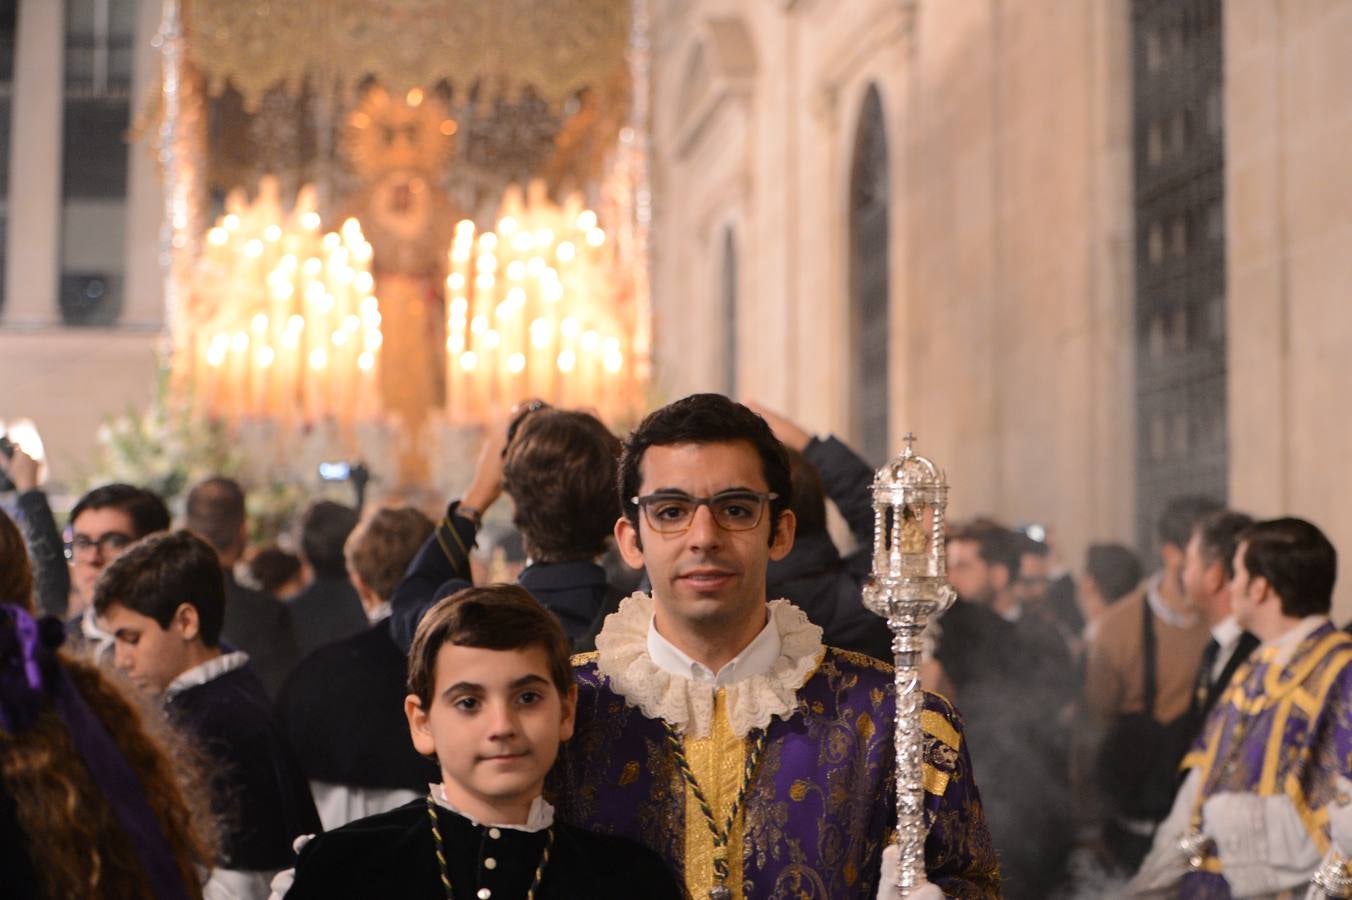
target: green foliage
<point>166,447</point>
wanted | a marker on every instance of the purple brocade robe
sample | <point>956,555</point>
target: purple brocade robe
<point>1278,730</point>
<point>821,806</point>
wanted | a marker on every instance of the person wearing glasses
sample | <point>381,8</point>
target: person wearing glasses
<point>103,524</point>
<point>714,726</point>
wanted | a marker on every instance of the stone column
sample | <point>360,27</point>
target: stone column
<point>33,251</point>
<point>143,305</point>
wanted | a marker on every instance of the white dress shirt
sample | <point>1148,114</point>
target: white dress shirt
<point>756,658</point>
<point>1226,634</point>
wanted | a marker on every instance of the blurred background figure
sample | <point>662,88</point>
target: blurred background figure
<point>327,609</point>
<point>254,621</point>
<point>1111,573</point>
<point>51,573</point>
<point>342,709</point>
<point>1208,568</point>
<point>559,469</point>
<point>815,575</point>
<point>276,572</point>
<point>1143,654</point>
<point>1016,683</point>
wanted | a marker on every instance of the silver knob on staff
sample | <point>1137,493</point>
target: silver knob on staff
<point>908,587</point>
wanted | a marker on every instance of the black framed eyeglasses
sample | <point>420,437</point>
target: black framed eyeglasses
<point>670,512</point>
<point>112,542</point>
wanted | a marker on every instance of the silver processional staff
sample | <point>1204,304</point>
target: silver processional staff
<point>908,587</point>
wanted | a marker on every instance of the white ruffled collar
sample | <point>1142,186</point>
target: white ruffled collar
<point>540,816</point>
<point>687,705</point>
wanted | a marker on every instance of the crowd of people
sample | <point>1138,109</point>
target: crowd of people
<point>681,694</point>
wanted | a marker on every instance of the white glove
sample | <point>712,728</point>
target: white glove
<point>282,881</point>
<point>1340,817</point>
<point>1262,842</point>
<point>1166,864</point>
<point>891,868</point>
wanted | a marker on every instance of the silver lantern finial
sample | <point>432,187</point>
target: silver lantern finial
<point>908,587</point>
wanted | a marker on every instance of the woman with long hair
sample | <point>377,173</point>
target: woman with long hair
<point>92,803</point>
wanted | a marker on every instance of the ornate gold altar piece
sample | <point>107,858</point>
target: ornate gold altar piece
<point>535,309</point>
<point>288,326</point>
<point>555,47</point>
<point>407,116</point>
<point>908,587</point>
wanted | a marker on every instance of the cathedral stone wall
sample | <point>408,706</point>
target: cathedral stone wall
<point>1010,237</point>
<point>1289,225</point>
<point>1009,129</point>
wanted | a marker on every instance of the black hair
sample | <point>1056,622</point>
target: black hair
<point>1180,515</point>
<point>146,510</point>
<point>1297,560</point>
<point>809,497</point>
<point>324,527</point>
<point>160,573</point>
<point>705,419</point>
<point>494,617</point>
<point>997,545</point>
<point>216,511</point>
<point>1115,568</point>
<point>1218,536</point>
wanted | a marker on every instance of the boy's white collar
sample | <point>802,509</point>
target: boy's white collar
<point>208,671</point>
<point>540,817</point>
<point>761,683</point>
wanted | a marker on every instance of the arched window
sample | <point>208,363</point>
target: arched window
<point>728,292</point>
<point>868,281</point>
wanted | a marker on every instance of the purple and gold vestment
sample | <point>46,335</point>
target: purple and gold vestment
<point>1279,730</point>
<point>820,806</point>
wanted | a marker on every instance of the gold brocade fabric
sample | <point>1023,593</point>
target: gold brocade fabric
<point>557,47</point>
<point>718,763</point>
<point>1281,730</point>
<point>410,377</point>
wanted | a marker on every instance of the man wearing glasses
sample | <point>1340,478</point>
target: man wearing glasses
<point>103,524</point>
<point>714,726</point>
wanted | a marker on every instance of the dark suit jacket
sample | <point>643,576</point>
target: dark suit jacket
<point>816,577</point>
<point>50,571</point>
<point>327,610</point>
<point>257,788</point>
<point>575,591</point>
<point>1205,694</point>
<point>342,711</point>
<point>261,626</point>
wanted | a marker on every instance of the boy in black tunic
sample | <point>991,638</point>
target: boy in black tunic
<point>164,602</point>
<point>491,695</point>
